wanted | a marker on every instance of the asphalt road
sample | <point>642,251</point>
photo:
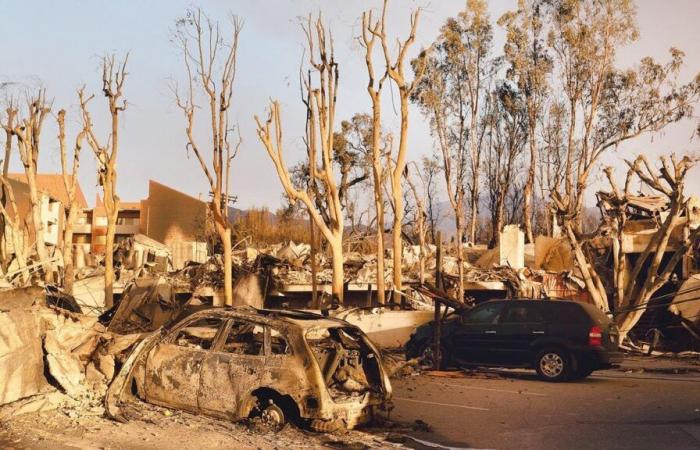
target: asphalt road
<point>514,410</point>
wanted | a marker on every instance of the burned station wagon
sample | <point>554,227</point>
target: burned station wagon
<point>281,365</point>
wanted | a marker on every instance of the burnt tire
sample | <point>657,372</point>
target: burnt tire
<point>428,358</point>
<point>273,416</point>
<point>553,364</point>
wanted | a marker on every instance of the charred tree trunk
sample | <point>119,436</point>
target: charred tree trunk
<point>395,71</point>
<point>28,134</point>
<point>113,77</point>
<point>529,188</point>
<point>71,208</point>
<point>370,32</point>
<point>210,64</point>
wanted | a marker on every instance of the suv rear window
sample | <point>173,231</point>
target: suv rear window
<point>564,312</point>
<point>596,314</point>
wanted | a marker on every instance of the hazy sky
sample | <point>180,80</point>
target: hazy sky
<point>58,45</point>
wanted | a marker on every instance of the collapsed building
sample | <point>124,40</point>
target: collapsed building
<point>670,320</point>
<point>66,349</point>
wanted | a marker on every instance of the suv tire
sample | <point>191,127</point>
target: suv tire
<point>553,364</point>
<point>428,357</point>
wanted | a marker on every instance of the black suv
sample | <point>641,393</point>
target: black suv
<point>562,340</point>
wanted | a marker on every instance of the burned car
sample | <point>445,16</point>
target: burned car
<point>237,363</point>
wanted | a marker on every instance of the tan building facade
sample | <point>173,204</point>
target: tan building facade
<point>53,197</point>
<point>170,216</point>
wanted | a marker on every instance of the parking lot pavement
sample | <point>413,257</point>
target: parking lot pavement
<point>513,409</point>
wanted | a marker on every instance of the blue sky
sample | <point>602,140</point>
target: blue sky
<point>58,45</point>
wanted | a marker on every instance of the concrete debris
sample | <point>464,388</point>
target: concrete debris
<point>386,328</point>
<point>22,361</point>
<point>147,303</point>
<point>34,404</point>
<point>52,356</point>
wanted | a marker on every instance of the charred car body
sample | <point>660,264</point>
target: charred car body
<point>242,362</point>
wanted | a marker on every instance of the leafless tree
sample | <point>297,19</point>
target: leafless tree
<point>321,109</point>
<point>421,216</point>
<point>370,31</point>
<point>70,182</point>
<point>27,132</point>
<point>10,115</point>
<point>210,58</point>
<point>395,71</point>
<point>106,151</point>
<point>634,285</point>
<point>15,226</point>
<point>430,172</point>
<point>13,229</point>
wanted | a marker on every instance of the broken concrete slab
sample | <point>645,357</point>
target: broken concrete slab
<point>34,404</point>
<point>384,327</point>
<point>69,341</point>
<point>21,356</point>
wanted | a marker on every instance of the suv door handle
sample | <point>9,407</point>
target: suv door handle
<point>538,332</point>
<point>490,332</point>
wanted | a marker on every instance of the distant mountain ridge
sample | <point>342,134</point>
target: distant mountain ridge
<point>237,213</point>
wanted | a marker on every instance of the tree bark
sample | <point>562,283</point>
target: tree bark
<point>529,188</point>
<point>379,208</point>
<point>109,262</point>
<point>71,208</point>
<point>460,261</point>
<point>28,133</point>
<point>225,235</point>
<point>338,274</point>
<point>68,267</point>
<point>38,225</point>
<point>370,32</point>
<point>397,243</point>
<point>13,222</point>
<point>590,278</point>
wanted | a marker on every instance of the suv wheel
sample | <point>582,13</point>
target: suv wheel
<point>553,364</point>
<point>428,357</point>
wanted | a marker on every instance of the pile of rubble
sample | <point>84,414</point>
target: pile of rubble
<point>52,357</point>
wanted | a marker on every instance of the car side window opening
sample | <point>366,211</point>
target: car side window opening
<point>521,314</point>
<point>278,344</point>
<point>200,334</point>
<point>245,338</point>
<point>486,314</point>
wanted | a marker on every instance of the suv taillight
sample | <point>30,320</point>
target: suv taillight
<point>595,337</point>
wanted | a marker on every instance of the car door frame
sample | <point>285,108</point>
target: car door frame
<point>471,341</point>
<point>514,341</point>
<point>152,393</point>
<point>229,377</point>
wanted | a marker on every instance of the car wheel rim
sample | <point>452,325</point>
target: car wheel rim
<point>552,365</point>
<point>272,416</point>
